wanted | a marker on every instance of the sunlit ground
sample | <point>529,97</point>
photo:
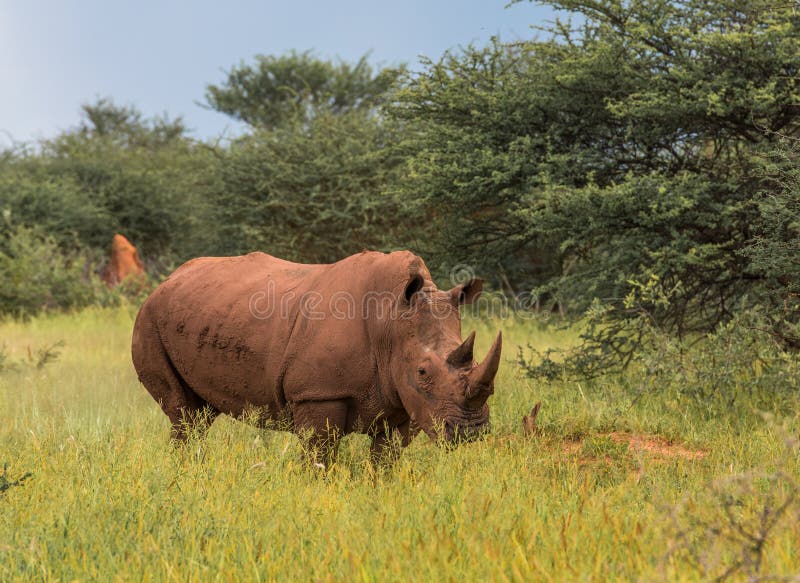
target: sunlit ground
<point>621,481</point>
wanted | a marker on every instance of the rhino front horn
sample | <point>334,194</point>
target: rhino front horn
<point>481,378</point>
<point>462,356</point>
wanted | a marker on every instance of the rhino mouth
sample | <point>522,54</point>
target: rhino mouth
<point>454,433</point>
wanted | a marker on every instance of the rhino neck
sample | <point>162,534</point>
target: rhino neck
<point>385,385</point>
<point>389,333</point>
<point>385,351</point>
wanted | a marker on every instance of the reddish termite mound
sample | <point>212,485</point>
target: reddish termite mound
<point>123,263</point>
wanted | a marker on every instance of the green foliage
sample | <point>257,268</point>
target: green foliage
<point>472,143</point>
<point>625,147</point>
<point>306,184</point>
<point>47,354</point>
<point>297,86</point>
<point>115,173</point>
<point>774,252</point>
<point>740,357</point>
<point>125,126</point>
<point>37,275</point>
<point>310,192</point>
<point>609,343</point>
<point>58,205</point>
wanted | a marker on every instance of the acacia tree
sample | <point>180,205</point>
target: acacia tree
<point>276,90</point>
<point>306,181</point>
<point>774,253</point>
<point>624,147</point>
<point>311,195</point>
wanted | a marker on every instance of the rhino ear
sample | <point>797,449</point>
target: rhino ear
<point>467,292</point>
<point>414,284</point>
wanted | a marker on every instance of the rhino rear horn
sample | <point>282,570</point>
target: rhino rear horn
<point>462,356</point>
<point>481,379</point>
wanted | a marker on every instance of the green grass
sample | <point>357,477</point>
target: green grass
<point>110,499</point>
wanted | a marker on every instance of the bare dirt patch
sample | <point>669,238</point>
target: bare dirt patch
<point>656,445</point>
<point>642,443</point>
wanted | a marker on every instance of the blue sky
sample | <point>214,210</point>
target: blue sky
<point>160,54</point>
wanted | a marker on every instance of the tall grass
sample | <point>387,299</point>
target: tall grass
<point>109,499</point>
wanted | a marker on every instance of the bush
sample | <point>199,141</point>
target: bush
<point>116,173</point>
<point>774,253</point>
<point>37,275</point>
<point>309,192</point>
<point>741,356</point>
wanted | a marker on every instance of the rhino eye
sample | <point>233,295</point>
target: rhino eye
<point>421,371</point>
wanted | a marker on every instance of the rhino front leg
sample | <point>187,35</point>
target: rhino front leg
<point>320,424</point>
<point>385,448</point>
<point>388,442</point>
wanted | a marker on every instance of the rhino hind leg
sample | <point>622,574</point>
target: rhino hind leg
<point>191,420</point>
<point>188,413</point>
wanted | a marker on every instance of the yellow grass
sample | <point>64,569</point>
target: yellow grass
<point>110,500</point>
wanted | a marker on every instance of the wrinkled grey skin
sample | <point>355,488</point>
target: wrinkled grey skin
<point>206,342</point>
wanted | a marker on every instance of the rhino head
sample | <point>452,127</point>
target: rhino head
<point>440,385</point>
